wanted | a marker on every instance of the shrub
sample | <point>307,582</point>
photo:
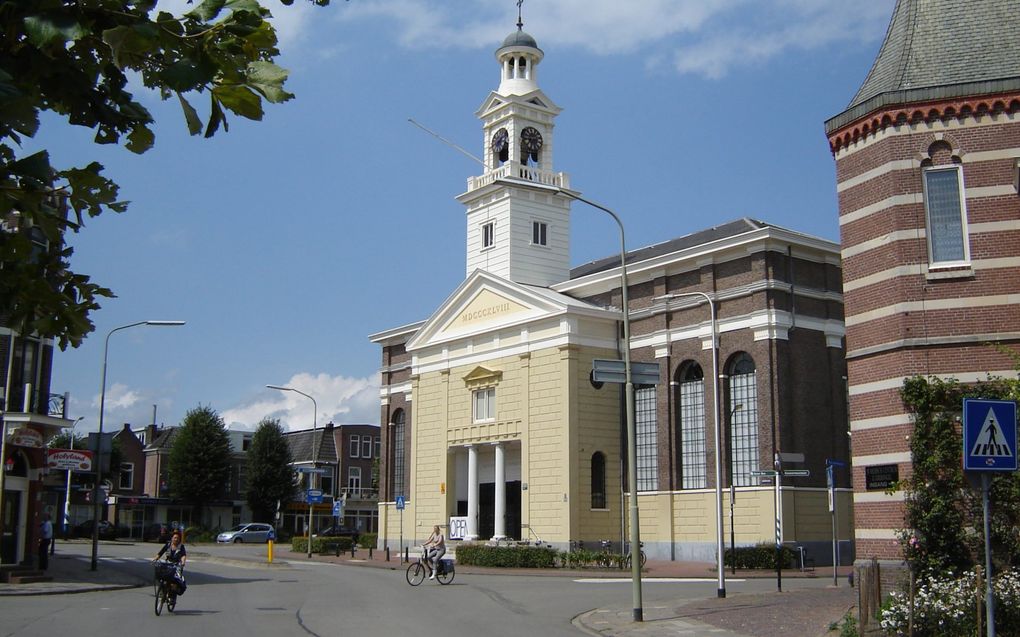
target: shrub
<point>761,556</point>
<point>368,540</point>
<point>947,606</point>
<point>585,558</point>
<point>506,556</point>
<point>299,544</point>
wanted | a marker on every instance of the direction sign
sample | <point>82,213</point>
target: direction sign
<point>615,371</point>
<point>796,473</point>
<point>764,472</point>
<point>313,496</point>
<point>989,435</point>
<point>311,470</point>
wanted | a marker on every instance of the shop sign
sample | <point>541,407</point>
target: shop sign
<point>881,476</point>
<point>69,460</point>
<point>25,437</point>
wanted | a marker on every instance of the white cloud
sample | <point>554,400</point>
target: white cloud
<point>118,396</point>
<point>340,399</point>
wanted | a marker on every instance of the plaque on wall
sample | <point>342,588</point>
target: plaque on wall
<point>881,476</point>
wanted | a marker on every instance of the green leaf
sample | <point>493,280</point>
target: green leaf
<point>240,100</point>
<point>215,116</point>
<point>140,139</point>
<point>35,166</point>
<point>207,11</point>
<point>130,44</point>
<point>184,75</point>
<point>190,116</point>
<point>268,78</point>
<point>246,5</point>
<point>46,29</point>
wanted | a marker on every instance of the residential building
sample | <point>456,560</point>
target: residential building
<point>497,428</point>
<point>927,160</point>
<point>358,451</point>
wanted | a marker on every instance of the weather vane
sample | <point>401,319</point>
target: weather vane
<point>520,23</point>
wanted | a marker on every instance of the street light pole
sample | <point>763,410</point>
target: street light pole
<point>67,492</point>
<point>311,481</point>
<point>720,568</point>
<point>99,442</point>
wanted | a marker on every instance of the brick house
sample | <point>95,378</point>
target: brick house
<point>927,155</point>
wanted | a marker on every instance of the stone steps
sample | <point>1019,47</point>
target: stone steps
<point>21,574</point>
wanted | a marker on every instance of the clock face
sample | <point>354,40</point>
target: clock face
<point>531,139</point>
<point>500,140</point>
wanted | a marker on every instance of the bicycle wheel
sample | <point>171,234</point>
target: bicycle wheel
<point>415,573</point>
<point>171,602</point>
<point>445,577</point>
<point>644,559</point>
<point>160,598</point>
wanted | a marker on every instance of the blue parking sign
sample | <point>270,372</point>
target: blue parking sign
<point>989,435</point>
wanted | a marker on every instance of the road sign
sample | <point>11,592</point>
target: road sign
<point>989,435</point>
<point>313,496</point>
<point>764,472</point>
<point>400,503</point>
<point>614,371</point>
<point>791,457</point>
<point>796,473</point>
<point>338,508</point>
<point>311,470</point>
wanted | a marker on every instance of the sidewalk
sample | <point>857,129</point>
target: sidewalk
<point>806,613</point>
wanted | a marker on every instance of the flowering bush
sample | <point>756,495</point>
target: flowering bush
<point>947,606</point>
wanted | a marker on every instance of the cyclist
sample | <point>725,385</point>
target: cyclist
<point>435,548</point>
<point>177,555</point>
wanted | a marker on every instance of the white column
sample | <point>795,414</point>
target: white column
<point>500,503</point>
<point>472,512</point>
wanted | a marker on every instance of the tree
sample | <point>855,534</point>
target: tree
<point>199,463</point>
<point>270,477</point>
<point>72,58</point>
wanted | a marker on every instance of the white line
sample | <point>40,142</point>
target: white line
<point>651,580</point>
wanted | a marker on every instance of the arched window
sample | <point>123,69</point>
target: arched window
<point>598,480</point>
<point>691,412</point>
<point>647,435</point>
<point>742,408</point>
<point>397,481</point>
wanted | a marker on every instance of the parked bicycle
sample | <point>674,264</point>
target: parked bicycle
<point>165,584</point>
<point>418,571</point>
<point>627,558</point>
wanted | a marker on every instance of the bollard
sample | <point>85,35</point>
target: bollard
<point>270,547</point>
<point>407,554</point>
<point>370,552</point>
<point>336,547</point>
<point>353,547</point>
<point>387,553</point>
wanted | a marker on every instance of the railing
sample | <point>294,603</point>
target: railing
<point>360,494</point>
<point>516,170</point>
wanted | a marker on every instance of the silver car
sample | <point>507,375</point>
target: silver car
<point>251,532</point>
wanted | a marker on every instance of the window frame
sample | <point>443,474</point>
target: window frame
<point>599,501</point>
<point>354,446</point>
<point>488,235</point>
<point>366,446</point>
<point>488,404</point>
<point>539,233</point>
<point>129,472</point>
<point>961,218</point>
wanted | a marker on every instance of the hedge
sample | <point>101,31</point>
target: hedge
<point>299,544</point>
<point>761,556</point>
<point>506,556</point>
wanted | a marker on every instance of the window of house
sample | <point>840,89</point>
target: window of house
<point>743,412</point>
<point>692,428</point>
<point>366,446</point>
<point>326,482</point>
<point>489,234</point>
<point>355,446</point>
<point>246,444</point>
<point>647,439</point>
<point>484,405</point>
<point>539,232</point>
<point>946,213</point>
<point>354,479</point>
<point>598,480</point>
<point>127,475</point>
<point>397,477</point>
<point>378,447</point>
<point>242,478</point>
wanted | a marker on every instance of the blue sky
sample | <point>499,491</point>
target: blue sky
<point>285,243</point>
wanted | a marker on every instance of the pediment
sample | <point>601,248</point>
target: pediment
<point>482,376</point>
<point>534,99</point>
<point>483,303</point>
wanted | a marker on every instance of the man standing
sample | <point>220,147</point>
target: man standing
<point>45,539</point>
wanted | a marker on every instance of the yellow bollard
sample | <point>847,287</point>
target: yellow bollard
<point>270,544</point>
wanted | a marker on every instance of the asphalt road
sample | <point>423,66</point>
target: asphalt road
<point>225,597</point>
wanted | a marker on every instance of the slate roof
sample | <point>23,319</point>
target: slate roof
<point>724,231</point>
<point>300,443</point>
<point>164,439</point>
<point>941,49</point>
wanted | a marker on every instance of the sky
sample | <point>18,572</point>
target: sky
<point>285,243</point>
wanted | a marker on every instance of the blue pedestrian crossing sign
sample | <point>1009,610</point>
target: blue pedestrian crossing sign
<point>400,503</point>
<point>989,435</point>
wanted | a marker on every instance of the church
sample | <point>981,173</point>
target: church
<point>496,426</point>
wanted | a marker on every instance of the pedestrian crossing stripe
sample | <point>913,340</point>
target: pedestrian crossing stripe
<point>991,441</point>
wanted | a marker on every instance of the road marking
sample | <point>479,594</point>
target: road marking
<point>650,580</point>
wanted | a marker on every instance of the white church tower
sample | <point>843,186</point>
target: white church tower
<point>518,227</point>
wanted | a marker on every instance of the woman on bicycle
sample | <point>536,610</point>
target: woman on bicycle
<point>435,548</point>
<point>177,555</point>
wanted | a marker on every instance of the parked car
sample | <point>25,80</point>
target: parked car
<point>156,532</point>
<point>340,531</point>
<point>107,531</point>
<point>250,532</point>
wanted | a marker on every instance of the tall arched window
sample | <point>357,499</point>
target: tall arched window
<point>647,435</point>
<point>743,412</point>
<point>397,480</point>
<point>598,480</point>
<point>691,411</point>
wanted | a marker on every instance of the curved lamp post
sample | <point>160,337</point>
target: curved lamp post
<point>315,417</point>
<point>721,572</point>
<point>99,450</point>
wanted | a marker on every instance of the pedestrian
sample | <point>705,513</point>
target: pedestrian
<point>45,539</point>
<point>435,548</point>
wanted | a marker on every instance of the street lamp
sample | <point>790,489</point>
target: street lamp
<point>721,592</point>
<point>99,442</point>
<point>635,534</point>
<point>315,417</point>
<point>67,493</point>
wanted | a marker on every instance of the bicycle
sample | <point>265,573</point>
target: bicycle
<point>165,585</point>
<point>644,558</point>
<point>416,571</point>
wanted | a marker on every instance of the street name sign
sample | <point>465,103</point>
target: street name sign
<point>989,435</point>
<point>311,470</point>
<point>615,371</point>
